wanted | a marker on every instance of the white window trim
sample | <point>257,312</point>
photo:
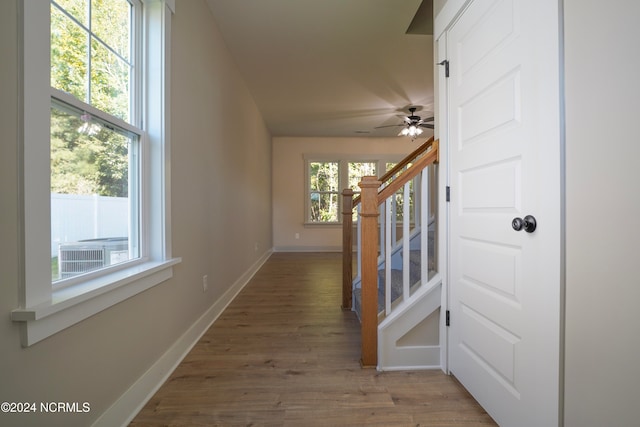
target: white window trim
<point>343,161</point>
<point>44,311</point>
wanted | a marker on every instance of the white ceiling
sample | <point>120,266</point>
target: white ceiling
<point>330,67</point>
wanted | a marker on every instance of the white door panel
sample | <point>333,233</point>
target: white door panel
<point>504,176</point>
<point>504,159</point>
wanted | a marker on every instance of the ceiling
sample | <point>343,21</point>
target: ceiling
<point>336,68</point>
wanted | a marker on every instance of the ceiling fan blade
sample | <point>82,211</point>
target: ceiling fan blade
<point>428,119</point>
<point>387,126</point>
<point>427,125</point>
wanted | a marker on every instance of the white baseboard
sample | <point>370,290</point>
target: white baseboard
<point>122,412</point>
<point>307,249</point>
<point>412,368</point>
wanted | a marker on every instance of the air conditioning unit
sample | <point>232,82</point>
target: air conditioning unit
<point>87,255</point>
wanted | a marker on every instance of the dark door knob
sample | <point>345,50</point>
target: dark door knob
<point>517,224</point>
<point>528,223</point>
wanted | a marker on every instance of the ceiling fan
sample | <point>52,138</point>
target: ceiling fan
<point>413,124</point>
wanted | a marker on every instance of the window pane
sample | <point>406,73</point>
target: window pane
<point>359,169</point>
<point>79,9</point>
<point>103,80</point>
<point>94,194</point>
<point>323,176</point>
<point>68,55</point>
<point>324,207</point>
<point>109,82</point>
<point>111,22</point>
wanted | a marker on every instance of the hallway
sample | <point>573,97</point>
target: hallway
<point>284,353</point>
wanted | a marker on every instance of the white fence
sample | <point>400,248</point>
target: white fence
<point>80,217</point>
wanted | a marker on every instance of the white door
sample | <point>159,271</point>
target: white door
<point>505,163</point>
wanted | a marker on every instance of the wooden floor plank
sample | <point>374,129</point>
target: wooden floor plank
<point>284,354</point>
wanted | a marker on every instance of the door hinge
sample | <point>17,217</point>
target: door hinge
<point>447,319</point>
<point>448,194</point>
<point>446,67</point>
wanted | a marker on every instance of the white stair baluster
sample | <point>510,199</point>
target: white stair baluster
<point>394,220</point>
<point>406,222</point>
<point>387,258</point>
<point>424,232</point>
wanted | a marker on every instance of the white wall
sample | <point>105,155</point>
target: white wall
<point>602,207</point>
<point>221,208</point>
<point>289,185</point>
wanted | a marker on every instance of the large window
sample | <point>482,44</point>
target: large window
<point>325,181</point>
<point>96,222</point>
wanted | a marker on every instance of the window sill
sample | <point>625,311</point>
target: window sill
<point>71,305</point>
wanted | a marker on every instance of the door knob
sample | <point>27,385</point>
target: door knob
<point>528,223</point>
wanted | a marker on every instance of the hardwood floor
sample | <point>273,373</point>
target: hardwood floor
<point>284,354</point>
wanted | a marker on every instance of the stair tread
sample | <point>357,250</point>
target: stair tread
<point>415,256</point>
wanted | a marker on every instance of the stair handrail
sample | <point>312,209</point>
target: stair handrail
<point>349,203</point>
<point>401,165</point>
<point>371,196</point>
<point>410,173</point>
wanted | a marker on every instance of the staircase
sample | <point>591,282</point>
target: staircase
<point>397,276</point>
<point>396,290</point>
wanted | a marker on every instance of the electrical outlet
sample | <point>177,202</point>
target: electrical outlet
<point>255,247</point>
<point>205,283</point>
<point>297,236</point>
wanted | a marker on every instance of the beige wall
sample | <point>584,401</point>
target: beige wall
<point>289,185</point>
<point>602,207</point>
<point>221,208</point>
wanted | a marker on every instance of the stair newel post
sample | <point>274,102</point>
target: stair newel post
<point>347,248</point>
<point>369,229</point>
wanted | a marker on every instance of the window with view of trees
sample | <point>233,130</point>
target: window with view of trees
<point>96,216</point>
<point>327,179</point>
<point>324,191</point>
<point>359,169</point>
<point>95,138</point>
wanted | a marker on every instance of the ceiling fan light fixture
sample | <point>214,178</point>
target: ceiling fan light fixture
<point>411,130</point>
<point>412,125</point>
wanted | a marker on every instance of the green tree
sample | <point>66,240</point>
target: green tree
<point>90,60</point>
<point>324,181</point>
<point>87,162</point>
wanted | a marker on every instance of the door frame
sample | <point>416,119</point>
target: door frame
<point>441,100</point>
